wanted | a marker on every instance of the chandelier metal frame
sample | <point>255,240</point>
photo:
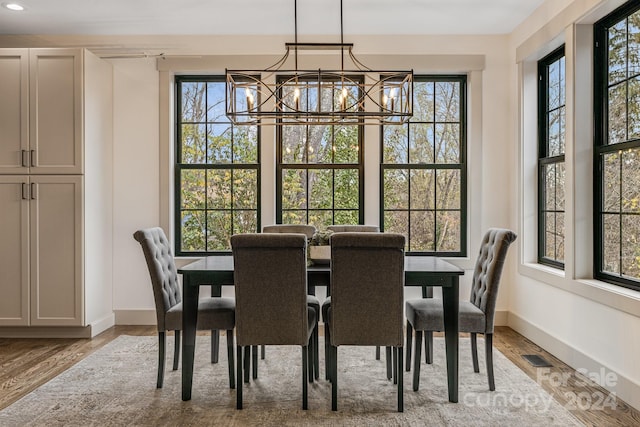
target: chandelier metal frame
<point>357,96</point>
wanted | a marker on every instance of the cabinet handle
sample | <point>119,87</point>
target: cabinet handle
<point>24,160</point>
<point>33,191</point>
<point>33,157</point>
<point>25,196</point>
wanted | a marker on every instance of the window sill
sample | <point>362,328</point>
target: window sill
<point>616,297</point>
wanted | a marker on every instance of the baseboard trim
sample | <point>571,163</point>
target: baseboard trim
<point>136,317</point>
<point>46,332</point>
<point>103,324</point>
<point>624,388</point>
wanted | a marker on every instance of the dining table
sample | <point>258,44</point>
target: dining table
<point>424,271</point>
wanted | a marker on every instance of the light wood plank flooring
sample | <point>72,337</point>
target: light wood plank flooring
<point>25,364</point>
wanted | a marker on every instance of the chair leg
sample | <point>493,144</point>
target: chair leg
<point>409,339</point>
<point>316,351</point>
<point>400,381</point>
<point>310,362</point>
<point>474,352</point>
<point>416,361</point>
<point>428,347</point>
<point>232,378</point>
<point>262,352</point>
<point>488,342</point>
<point>327,352</point>
<point>334,378</point>
<point>239,376</point>
<point>305,368</point>
<point>176,351</point>
<point>161,347</point>
<point>247,363</point>
<point>215,345</point>
<point>254,360</point>
<point>388,356</point>
<point>377,352</point>
<point>395,365</point>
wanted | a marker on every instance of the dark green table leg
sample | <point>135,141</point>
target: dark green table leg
<point>451,297</point>
<point>190,293</point>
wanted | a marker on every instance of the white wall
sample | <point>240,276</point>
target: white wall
<point>588,324</point>
<point>136,181</point>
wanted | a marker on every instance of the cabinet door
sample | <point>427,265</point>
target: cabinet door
<point>56,250</point>
<point>14,250</point>
<point>14,111</point>
<point>55,105</point>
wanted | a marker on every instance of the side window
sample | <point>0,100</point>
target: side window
<point>617,146</point>
<point>217,170</point>
<point>551,165</point>
<point>423,170</point>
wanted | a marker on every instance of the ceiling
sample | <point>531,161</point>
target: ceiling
<point>263,17</point>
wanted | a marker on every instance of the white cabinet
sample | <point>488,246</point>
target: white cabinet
<point>14,250</point>
<point>40,113</point>
<point>55,192</point>
<point>42,250</point>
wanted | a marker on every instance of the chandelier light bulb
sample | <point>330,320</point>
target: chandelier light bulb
<point>250,99</point>
<point>296,97</point>
<point>343,98</point>
<point>392,97</point>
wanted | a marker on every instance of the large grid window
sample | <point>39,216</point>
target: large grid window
<point>617,146</point>
<point>217,170</point>
<point>320,174</point>
<point>423,170</point>
<point>551,165</point>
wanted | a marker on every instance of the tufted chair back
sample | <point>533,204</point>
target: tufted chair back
<point>356,228</point>
<point>307,230</point>
<point>162,268</point>
<point>487,272</point>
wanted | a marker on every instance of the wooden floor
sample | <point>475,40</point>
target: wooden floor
<point>25,364</point>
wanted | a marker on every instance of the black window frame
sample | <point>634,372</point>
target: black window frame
<point>544,157</point>
<point>462,166</point>
<point>281,166</point>
<point>179,167</point>
<point>601,145</point>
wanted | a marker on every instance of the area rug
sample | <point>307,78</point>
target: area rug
<point>116,386</point>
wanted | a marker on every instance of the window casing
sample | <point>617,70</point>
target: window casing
<point>551,162</point>
<point>423,169</point>
<point>319,168</point>
<point>617,147</point>
<point>217,170</point>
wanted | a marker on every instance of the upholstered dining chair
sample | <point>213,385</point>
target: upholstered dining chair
<point>312,300</point>
<point>270,278</point>
<point>351,228</point>
<point>367,291</point>
<point>213,313</point>
<point>476,316</point>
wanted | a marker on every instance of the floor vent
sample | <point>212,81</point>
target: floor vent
<point>536,360</point>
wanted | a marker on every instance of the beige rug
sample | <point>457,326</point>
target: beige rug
<point>116,386</point>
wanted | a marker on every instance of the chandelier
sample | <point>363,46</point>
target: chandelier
<point>359,95</point>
